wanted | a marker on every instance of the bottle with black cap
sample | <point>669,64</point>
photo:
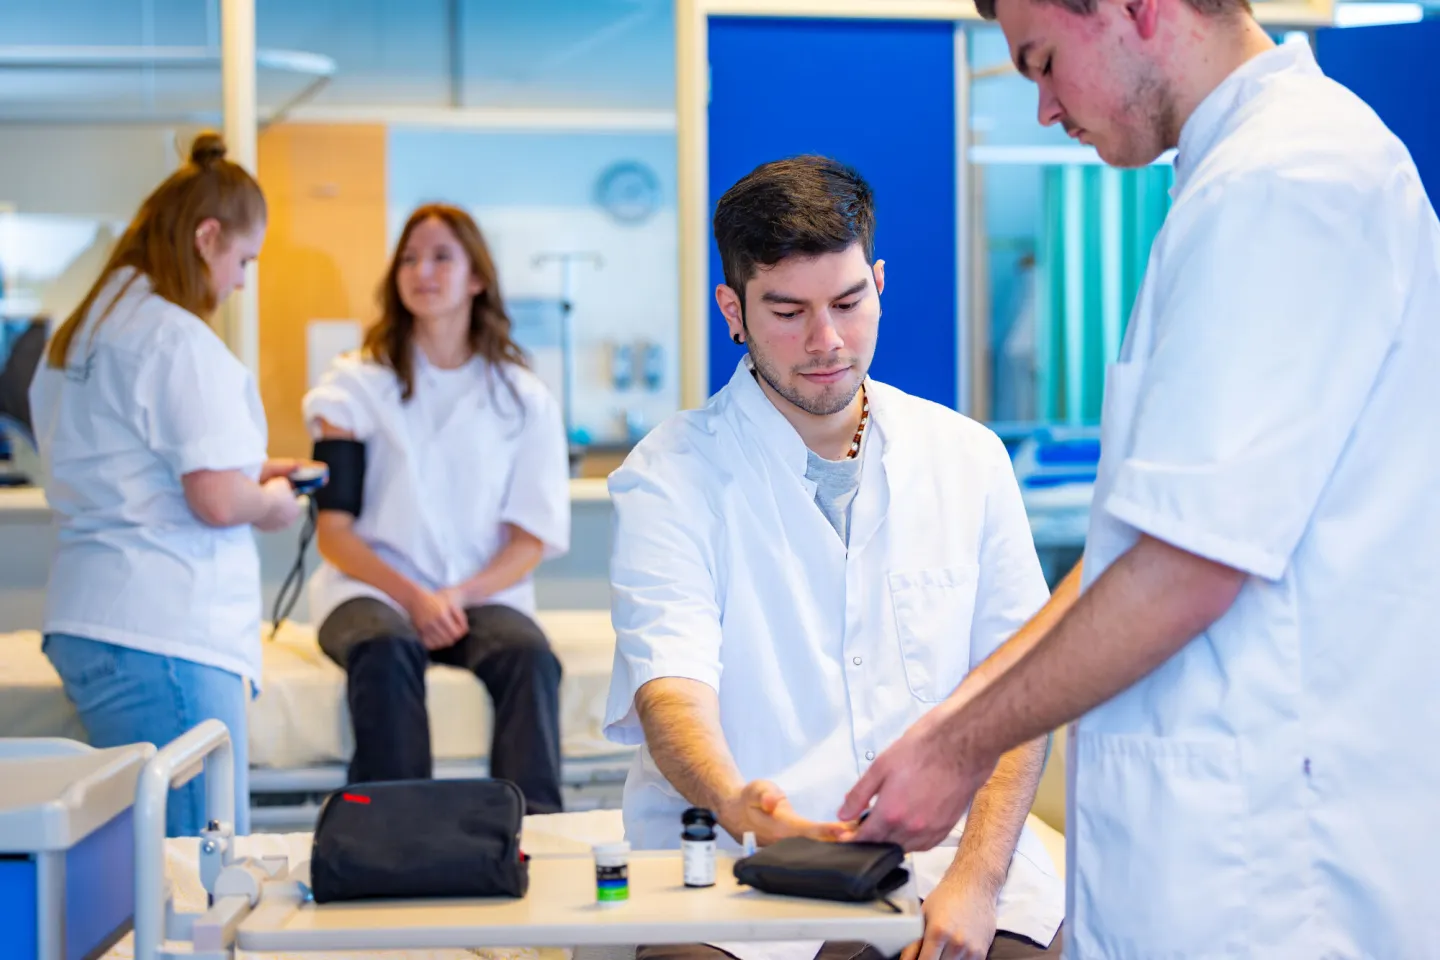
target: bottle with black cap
<point>697,847</point>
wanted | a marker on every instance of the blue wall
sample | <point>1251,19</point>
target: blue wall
<point>879,96</point>
<point>1395,69</point>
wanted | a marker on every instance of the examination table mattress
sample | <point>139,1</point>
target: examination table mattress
<point>301,719</point>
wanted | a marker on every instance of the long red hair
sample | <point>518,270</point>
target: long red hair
<point>160,241</point>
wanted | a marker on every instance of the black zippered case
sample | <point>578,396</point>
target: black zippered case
<point>420,838</point>
<point>803,867</point>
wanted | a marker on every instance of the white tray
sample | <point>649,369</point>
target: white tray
<point>54,793</point>
<point>560,911</point>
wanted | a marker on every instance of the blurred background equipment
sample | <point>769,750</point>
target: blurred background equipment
<point>22,346</point>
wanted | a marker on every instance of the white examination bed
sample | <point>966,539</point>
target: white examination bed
<point>300,738</point>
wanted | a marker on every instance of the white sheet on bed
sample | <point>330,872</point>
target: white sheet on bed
<point>300,718</point>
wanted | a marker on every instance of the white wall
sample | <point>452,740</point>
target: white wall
<point>100,172</point>
<point>65,193</point>
<point>535,193</point>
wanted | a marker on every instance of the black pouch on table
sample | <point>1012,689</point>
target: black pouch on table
<point>801,867</point>
<point>420,838</point>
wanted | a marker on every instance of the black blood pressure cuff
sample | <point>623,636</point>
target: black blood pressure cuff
<point>422,839</point>
<point>801,867</point>
<point>346,489</point>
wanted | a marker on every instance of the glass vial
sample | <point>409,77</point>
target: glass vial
<point>697,847</point>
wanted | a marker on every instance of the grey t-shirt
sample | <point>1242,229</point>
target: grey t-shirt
<point>836,482</point>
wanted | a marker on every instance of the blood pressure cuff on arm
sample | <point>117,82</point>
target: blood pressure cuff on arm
<point>346,489</point>
<point>802,867</point>
<point>420,838</point>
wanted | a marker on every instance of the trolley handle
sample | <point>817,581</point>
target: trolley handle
<point>177,763</point>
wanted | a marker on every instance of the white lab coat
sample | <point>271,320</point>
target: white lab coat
<point>148,395</point>
<point>725,571</point>
<point>445,471</point>
<point>1268,792</point>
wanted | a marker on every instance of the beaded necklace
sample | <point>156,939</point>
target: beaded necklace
<point>860,430</point>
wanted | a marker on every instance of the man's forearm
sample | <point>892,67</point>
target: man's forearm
<point>997,815</point>
<point>681,719</point>
<point>1139,613</point>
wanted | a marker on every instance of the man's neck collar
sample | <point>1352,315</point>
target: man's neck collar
<point>1238,49</point>
<point>829,436</point>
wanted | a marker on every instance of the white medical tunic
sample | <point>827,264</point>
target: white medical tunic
<point>147,396</point>
<point>445,471</point>
<point>725,571</point>
<point>1276,408</point>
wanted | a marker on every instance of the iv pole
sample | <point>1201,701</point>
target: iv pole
<point>567,261</point>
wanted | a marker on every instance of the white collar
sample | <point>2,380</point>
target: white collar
<point>777,433</point>
<point>1211,119</point>
<point>425,367</point>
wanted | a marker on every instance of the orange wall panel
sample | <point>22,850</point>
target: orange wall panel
<point>324,253</point>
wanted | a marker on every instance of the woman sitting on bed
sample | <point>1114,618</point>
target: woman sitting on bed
<point>466,490</point>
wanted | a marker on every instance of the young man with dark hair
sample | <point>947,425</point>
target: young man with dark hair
<point>804,566</point>
<point>1248,649</point>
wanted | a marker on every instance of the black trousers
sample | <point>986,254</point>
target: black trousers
<point>385,663</point>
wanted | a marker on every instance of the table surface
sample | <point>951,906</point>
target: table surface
<point>560,910</point>
<point>23,505</point>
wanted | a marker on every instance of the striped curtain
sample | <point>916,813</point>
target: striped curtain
<point>1099,223</point>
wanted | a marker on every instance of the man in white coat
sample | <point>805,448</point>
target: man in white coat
<point>809,563</point>
<point>1252,652</point>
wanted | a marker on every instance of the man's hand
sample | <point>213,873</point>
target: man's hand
<point>921,788</point>
<point>959,922</point>
<point>763,809</point>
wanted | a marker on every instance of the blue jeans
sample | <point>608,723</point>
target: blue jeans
<point>130,696</point>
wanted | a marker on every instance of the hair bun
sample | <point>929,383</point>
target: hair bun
<point>207,148</point>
